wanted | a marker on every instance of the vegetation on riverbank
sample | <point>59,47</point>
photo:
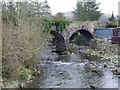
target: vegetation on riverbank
<point>104,49</point>
<point>23,39</point>
<point>24,24</point>
<point>99,47</point>
<point>20,49</point>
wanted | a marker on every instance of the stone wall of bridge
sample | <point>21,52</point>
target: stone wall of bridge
<point>86,28</point>
<point>88,25</point>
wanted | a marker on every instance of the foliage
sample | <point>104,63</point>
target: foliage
<point>24,10</point>
<point>77,39</point>
<point>42,9</point>
<point>22,37</point>
<point>23,26</point>
<point>106,49</point>
<point>111,25</point>
<point>59,23</point>
<point>87,11</point>
<point>60,15</point>
<point>119,22</point>
<point>23,74</point>
<point>112,18</point>
<point>46,23</point>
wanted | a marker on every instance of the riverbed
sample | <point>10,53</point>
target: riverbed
<point>74,70</point>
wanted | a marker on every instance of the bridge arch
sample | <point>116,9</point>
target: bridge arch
<point>57,35</point>
<point>60,41</point>
<point>85,36</point>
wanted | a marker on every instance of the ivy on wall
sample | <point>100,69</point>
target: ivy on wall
<point>59,23</point>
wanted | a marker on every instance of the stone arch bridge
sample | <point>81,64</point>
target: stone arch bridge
<point>86,28</point>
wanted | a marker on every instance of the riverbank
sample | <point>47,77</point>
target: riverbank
<point>24,78</point>
<point>74,58</point>
<point>102,49</point>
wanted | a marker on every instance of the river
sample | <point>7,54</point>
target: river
<point>74,70</point>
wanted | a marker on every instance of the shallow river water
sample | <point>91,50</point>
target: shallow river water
<point>74,71</point>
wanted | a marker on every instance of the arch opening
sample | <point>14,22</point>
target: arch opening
<point>81,37</point>
<point>59,41</point>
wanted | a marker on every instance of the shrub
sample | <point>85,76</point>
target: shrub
<point>59,23</point>
<point>111,25</point>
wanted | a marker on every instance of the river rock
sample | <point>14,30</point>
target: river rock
<point>116,72</point>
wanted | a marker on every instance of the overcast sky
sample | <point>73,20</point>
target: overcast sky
<point>107,6</point>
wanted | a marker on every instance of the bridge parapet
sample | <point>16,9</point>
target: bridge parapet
<point>87,25</point>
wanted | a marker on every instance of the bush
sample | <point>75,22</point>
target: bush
<point>111,25</point>
<point>59,23</point>
<point>106,47</point>
<point>21,45</point>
